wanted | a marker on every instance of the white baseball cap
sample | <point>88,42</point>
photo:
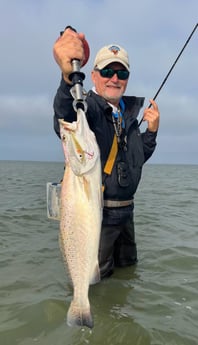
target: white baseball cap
<point>109,54</point>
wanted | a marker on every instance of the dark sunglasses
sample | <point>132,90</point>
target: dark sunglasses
<point>109,73</point>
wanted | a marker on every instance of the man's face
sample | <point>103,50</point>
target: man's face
<point>112,88</point>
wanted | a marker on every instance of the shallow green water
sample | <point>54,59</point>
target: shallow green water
<point>154,303</point>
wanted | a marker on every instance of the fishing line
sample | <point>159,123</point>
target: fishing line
<point>169,72</point>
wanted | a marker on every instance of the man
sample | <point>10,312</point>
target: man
<point>111,116</point>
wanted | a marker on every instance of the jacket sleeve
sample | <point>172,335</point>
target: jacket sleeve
<point>63,108</point>
<point>149,143</point>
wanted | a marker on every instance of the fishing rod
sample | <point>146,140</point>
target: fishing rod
<point>169,72</point>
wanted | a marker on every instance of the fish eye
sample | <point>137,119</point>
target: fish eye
<point>80,155</point>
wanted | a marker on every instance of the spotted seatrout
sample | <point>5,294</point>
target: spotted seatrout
<point>81,214</point>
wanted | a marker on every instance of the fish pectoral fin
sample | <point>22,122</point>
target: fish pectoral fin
<point>79,316</point>
<point>87,187</point>
<point>95,277</point>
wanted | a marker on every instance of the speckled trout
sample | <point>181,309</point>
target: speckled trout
<point>80,214</point>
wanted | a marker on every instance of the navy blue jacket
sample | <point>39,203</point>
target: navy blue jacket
<point>140,146</point>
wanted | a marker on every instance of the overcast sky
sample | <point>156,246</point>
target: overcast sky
<point>152,31</point>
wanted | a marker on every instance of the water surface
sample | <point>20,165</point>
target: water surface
<point>154,303</point>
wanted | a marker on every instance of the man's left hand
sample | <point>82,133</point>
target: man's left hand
<point>152,115</point>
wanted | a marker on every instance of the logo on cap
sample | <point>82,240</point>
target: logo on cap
<point>114,49</point>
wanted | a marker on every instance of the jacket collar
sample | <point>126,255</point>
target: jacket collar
<point>132,106</point>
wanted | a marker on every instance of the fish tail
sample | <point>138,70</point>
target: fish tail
<point>79,316</point>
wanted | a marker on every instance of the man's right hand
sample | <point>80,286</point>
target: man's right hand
<point>69,46</point>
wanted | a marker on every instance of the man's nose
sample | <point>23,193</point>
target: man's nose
<point>114,78</point>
